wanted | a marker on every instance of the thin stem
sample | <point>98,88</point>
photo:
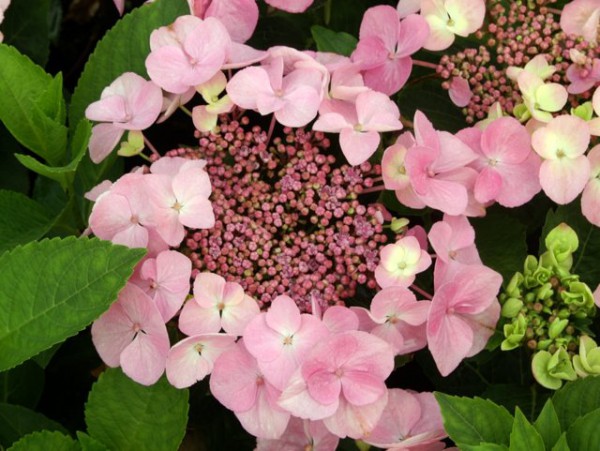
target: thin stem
<point>373,189</point>
<point>327,14</point>
<point>424,64</point>
<point>145,157</point>
<point>478,373</point>
<point>151,146</point>
<point>421,291</point>
<point>185,110</point>
<point>558,12</point>
<point>407,122</point>
<point>377,179</point>
<point>270,132</point>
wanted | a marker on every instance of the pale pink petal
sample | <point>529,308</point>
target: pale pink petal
<point>245,86</point>
<point>291,6</point>
<point>265,419</point>
<point>238,16</point>
<point>104,139</point>
<point>564,179</point>
<point>381,22</point>
<point>460,92</point>
<point>300,107</point>
<point>518,187</point>
<point>390,76</point>
<point>413,33</point>
<point>340,319</point>
<point>406,7</point>
<point>166,66</point>
<point>235,318</point>
<point>108,109</point>
<point>506,140</point>
<point>488,185</point>
<point>401,414</point>
<point>283,315</point>
<point>196,320</point>
<point>358,147</point>
<point>111,334</point>
<point>590,199</point>
<point>209,290</point>
<point>361,388</point>
<point>143,360</point>
<point>331,122</point>
<point>375,111</point>
<point>297,400</point>
<point>356,421</point>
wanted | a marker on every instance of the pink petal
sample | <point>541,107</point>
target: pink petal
<point>425,134</point>
<point>390,76</point>
<point>236,317</point>
<point>283,315</point>
<point>460,92</point>
<point>143,360</point>
<point>375,111</point>
<point>111,334</point>
<point>109,109</point>
<point>356,421</point>
<point>401,414</point>
<point>300,107</point>
<point>340,319</point>
<point>564,179</point>
<point>238,16</point>
<point>265,419</point>
<point>291,6</point>
<point>488,185</point>
<point>246,85</point>
<point>166,67</point>
<point>104,139</point>
<point>412,35</point>
<point>518,187</point>
<point>381,22</point>
<point>361,387</point>
<point>297,400</point>
<point>197,320</point>
<point>331,122</point>
<point>358,147</point>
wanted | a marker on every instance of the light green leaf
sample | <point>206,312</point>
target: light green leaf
<point>52,101</point>
<point>330,41</point>
<point>473,421</point>
<point>123,49</point>
<point>21,220</point>
<point>17,421</point>
<point>26,28</point>
<point>90,443</point>
<point>23,86</point>
<point>584,434</point>
<point>524,437</point>
<point>485,447</point>
<point>561,444</point>
<point>44,441</point>
<point>52,289</point>
<point>576,399</point>
<point>547,425</point>
<point>126,415</point>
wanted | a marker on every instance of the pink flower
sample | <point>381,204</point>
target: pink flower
<point>583,74</point>
<point>400,319</point>
<point>294,98</point>
<point>180,200</point>
<point>341,380</point>
<point>565,170</point>
<point>581,17</point>
<point>460,92</point>
<point>410,421</point>
<point>505,163</point>
<point>238,16</point>
<point>121,214</point>
<point>301,435</point>
<point>447,18</point>
<point>437,168</point>
<point>280,338</point>
<point>590,199</point>
<point>359,124</point>
<point>385,47</point>
<point>463,315</point>
<point>217,304</point>
<point>406,7</point>
<point>132,334</point>
<point>166,279</point>
<point>193,358</point>
<point>400,262</point>
<point>239,385</point>
<point>291,6</point>
<point>188,53</point>
<point>128,103</point>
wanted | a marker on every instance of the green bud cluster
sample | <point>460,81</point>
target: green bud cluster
<point>548,310</point>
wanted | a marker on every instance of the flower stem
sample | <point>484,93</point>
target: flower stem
<point>151,146</point>
<point>185,110</point>
<point>270,132</point>
<point>424,64</point>
<point>421,291</point>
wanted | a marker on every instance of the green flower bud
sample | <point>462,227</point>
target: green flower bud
<point>512,307</point>
<point>521,112</point>
<point>579,294</point>
<point>557,327</point>
<point>544,344</point>
<point>545,292</point>
<point>563,313</point>
<point>585,111</point>
<point>399,224</point>
<point>531,264</point>
<point>588,360</point>
<point>513,288</point>
<point>514,333</point>
<point>561,242</point>
<point>551,369</point>
<point>133,146</point>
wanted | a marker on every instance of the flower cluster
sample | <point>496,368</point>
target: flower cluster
<point>549,310</point>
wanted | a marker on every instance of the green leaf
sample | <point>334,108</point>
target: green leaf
<point>25,27</point>
<point>561,444</point>
<point>52,289</point>
<point>584,434</point>
<point>524,437</point>
<point>21,220</point>
<point>17,421</point>
<point>126,415</point>
<point>90,443</point>
<point>547,425</point>
<point>65,174</point>
<point>586,259</point>
<point>13,176</point>
<point>22,385</point>
<point>330,41</point>
<point>485,447</point>
<point>123,49</point>
<point>45,440</point>
<point>473,421</point>
<point>500,240</point>
<point>52,101</point>
<point>576,399</point>
<point>23,87</point>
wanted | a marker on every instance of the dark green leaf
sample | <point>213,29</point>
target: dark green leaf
<point>17,421</point>
<point>23,87</point>
<point>576,399</point>
<point>52,289</point>
<point>524,437</point>
<point>547,425</point>
<point>22,385</point>
<point>25,27</point>
<point>13,176</point>
<point>500,240</point>
<point>331,41</point>
<point>90,443</point>
<point>584,433</point>
<point>126,415</point>
<point>561,444</point>
<point>473,421</point>
<point>21,220</point>
<point>485,447</point>
<point>46,440</point>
